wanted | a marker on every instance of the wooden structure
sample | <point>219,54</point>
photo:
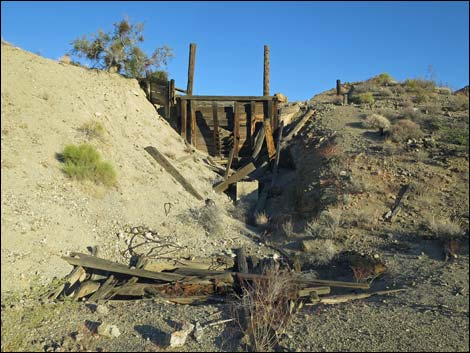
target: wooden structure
<point>225,127</point>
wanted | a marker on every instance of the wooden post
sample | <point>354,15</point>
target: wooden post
<point>192,113</point>
<point>192,63</point>
<point>215,117</point>
<point>266,71</point>
<point>184,118</point>
<point>345,99</point>
<point>236,127</point>
<point>338,87</point>
<point>252,124</point>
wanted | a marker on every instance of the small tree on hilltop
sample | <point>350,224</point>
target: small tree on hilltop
<point>119,51</point>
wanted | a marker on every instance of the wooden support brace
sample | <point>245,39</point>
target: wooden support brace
<point>236,127</point>
<point>184,119</point>
<point>192,112</point>
<point>215,117</point>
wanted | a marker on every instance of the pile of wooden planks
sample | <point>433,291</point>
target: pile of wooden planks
<point>183,281</point>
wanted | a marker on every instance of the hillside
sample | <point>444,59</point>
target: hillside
<point>47,105</point>
<point>328,213</point>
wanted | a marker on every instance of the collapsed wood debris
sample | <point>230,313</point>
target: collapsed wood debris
<point>195,280</point>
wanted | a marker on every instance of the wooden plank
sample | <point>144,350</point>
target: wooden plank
<point>104,289</point>
<point>215,118</point>
<point>252,125</point>
<point>229,163</point>
<point>85,289</point>
<point>305,292</point>
<point>297,127</point>
<point>184,119</point>
<point>398,202</point>
<point>105,265</point>
<point>338,299</point>
<point>269,139</point>
<point>192,114</point>
<point>228,98</point>
<point>236,127</point>
<point>191,66</point>
<point>165,163</point>
<point>278,154</point>
<point>239,174</point>
<point>260,137</point>
<point>77,275</point>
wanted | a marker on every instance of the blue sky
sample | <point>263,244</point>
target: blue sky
<point>312,43</point>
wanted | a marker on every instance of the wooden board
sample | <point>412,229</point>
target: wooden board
<point>165,163</point>
<point>105,265</point>
<point>228,98</point>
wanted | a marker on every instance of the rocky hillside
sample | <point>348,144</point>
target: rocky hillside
<point>47,105</point>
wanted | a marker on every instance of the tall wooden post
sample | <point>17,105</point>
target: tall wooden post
<point>266,71</point>
<point>192,63</point>
<point>338,87</point>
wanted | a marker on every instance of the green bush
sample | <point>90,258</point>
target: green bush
<point>119,50</point>
<point>383,79</point>
<point>454,136</point>
<point>418,85</point>
<point>83,162</point>
<point>404,130</point>
<point>457,103</point>
<point>364,98</point>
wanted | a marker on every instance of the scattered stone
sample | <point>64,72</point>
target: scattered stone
<point>102,309</point>
<point>198,332</point>
<point>178,338</point>
<point>107,330</point>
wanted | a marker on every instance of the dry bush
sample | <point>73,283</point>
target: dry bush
<point>325,225</point>
<point>321,251</point>
<point>383,79</point>
<point>443,228</point>
<point>265,308</point>
<point>210,218</point>
<point>360,218</point>
<point>363,98</point>
<point>328,150</point>
<point>404,130</point>
<point>288,228</point>
<point>457,102</point>
<point>92,129</point>
<point>261,219</point>
<point>389,148</point>
<point>433,108</point>
<point>377,121</point>
<point>356,186</point>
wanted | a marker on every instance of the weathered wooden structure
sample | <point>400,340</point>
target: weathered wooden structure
<point>225,127</point>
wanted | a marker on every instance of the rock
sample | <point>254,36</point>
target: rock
<point>102,309</point>
<point>178,338</point>
<point>281,98</point>
<point>97,114</point>
<point>198,332</point>
<point>107,330</point>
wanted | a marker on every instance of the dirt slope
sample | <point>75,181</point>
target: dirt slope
<point>44,213</point>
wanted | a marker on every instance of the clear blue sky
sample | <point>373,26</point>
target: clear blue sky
<point>312,43</point>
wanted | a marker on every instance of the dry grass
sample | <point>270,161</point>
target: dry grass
<point>288,228</point>
<point>92,129</point>
<point>321,251</point>
<point>458,102</point>
<point>443,228</point>
<point>261,219</point>
<point>265,308</point>
<point>325,225</point>
<point>210,217</point>
<point>328,150</point>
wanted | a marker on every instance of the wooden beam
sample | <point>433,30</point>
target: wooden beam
<point>166,164</point>
<point>398,202</point>
<point>338,87</point>
<point>228,98</point>
<point>278,153</point>
<point>229,163</point>
<point>239,174</point>
<point>192,63</point>
<point>184,119</point>
<point>236,127</point>
<point>192,114</point>
<point>266,71</point>
<point>215,118</point>
<point>297,128</point>
<point>252,125</point>
<point>269,139</point>
<point>97,263</point>
<point>259,142</point>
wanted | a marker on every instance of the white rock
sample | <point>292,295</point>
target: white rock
<point>178,338</point>
<point>108,330</point>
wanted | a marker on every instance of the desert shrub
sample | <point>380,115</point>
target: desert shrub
<point>210,217</point>
<point>390,114</point>
<point>288,228</point>
<point>418,85</point>
<point>363,98</point>
<point>385,92</point>
<point>389,148</point>
<point>404,130</point>
<point>325,225</point>
<point>421,97</point>
<point>365,87</point>
<point>265,308</point>
<point>458,102</point>
<point>360,218</point>
<point>321,251</point>
<point>261,219</point>
<point>443,228</point>
<point>377,121</point>
<point>454,136</point>
<point>383,79</point>
<point>83,162</point>
<point>92,129</point>
<point>432,108</point>
<point>356,186</point>
<point>119,50</point>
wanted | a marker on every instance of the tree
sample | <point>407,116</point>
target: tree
<point>119,51</point>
